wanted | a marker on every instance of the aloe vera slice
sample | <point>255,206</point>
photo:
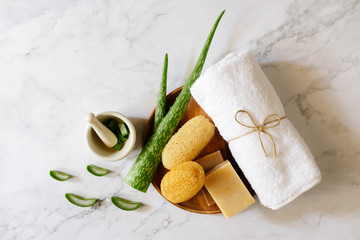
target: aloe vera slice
<point>80,201</point>
<point>123,129</point>
<point>125,204</point>
<point>119,145</point>
<point>97,171</point>
<point>122,138</point>
<point>60,176</point>
<point>112,125</point>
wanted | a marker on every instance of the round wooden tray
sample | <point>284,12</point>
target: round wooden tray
<point>197,204</point>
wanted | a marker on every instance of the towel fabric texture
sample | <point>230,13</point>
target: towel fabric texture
<point>238,83</point>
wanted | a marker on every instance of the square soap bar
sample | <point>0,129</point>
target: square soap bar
<point>227,189</point>
<point>210,161</point>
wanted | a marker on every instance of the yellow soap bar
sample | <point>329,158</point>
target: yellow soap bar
<point>210,161</point>
<point>227,189</point>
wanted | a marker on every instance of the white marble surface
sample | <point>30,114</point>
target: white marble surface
<point>62,59</point>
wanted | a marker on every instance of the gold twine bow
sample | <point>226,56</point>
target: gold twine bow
<point>260,128</point>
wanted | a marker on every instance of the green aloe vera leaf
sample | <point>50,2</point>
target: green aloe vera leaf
<point>146,164</point>
<point>161,100</point>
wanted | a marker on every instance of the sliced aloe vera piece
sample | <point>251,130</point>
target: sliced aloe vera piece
<point>80,201</point>
<point>119,145</point>
<point>125,204</point>
<point>60,176</point>
<point>123,129</point>
<point>122,138</point>
<point>112,125</point>
<point>97,171</point>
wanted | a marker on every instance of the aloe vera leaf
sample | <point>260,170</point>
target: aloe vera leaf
<point>161,100</point>
<point>144,168</point>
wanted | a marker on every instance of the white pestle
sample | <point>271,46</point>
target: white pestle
<point>106,136</point>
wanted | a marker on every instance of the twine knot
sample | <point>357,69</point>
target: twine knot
<point>267,124</point>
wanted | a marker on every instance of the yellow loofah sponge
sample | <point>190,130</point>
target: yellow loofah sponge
<point>183,182</point>
<point>188,142</point>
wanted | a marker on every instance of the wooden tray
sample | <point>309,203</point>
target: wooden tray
<point>198,203</point>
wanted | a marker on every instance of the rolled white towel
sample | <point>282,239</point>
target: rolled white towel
<point>238,83</point>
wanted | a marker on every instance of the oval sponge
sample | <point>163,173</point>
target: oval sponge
<point>182,182</point>
<point>188,142</point>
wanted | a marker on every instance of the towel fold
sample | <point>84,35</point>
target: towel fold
<point>238,83</point>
